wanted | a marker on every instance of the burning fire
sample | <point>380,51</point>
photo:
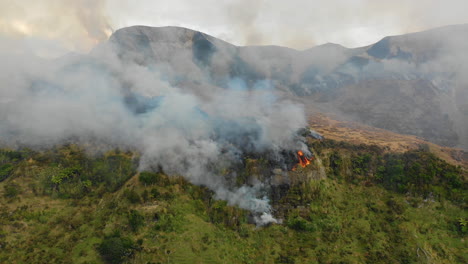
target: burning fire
<point>303,160</point>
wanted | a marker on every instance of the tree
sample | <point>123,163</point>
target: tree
<point>117,249</point>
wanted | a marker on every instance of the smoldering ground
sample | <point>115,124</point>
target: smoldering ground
<point>120,104</point>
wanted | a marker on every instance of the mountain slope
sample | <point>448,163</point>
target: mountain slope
<point>411,84</point>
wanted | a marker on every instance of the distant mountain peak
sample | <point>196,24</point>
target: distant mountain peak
<point>328,46</point>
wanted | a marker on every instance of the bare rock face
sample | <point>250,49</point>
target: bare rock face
<point>412,84</point>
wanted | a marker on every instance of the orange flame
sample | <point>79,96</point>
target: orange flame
<point>303,160</point>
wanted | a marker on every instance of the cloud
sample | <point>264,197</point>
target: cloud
<point>78,25</point>
<point>297,23</point>
<point>75,25</point>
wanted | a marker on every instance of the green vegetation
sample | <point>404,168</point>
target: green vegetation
<point>63,206</point>
<point>8,159</point>
<point>11,190</point>
<point>150,178</point>
<point>417,172</point>
<point>117,249</point>
<point>5,171</point>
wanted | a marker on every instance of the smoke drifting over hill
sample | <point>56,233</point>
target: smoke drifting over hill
<point>104,100</point>
<point>192,104</point>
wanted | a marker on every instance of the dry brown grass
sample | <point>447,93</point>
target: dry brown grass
<point>357,133</point>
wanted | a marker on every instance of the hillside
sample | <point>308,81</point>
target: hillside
<point>167,145</point>
<point>357,133</point>
<point>354,204</point>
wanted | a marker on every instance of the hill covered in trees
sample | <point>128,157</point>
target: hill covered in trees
<point>353,204</point>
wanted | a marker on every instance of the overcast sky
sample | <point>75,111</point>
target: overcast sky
<point>78,25</point>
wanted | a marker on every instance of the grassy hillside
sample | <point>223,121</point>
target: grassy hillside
<point>64,206</point>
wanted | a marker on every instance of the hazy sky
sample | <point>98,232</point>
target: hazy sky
<point>80,24</point>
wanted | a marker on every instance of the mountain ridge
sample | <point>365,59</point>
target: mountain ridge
<point>409,66</point>
<point>410,34</point>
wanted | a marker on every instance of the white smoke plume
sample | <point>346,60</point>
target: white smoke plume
<point>100,98</point>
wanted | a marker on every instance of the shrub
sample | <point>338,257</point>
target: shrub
<point>135,220</point>
<point>335,163</point>
<point>132,196</point>
<point>361,163</point>
<point>117,249</point>
<point>11,190</point>
<point>462,225</point>
<point>145,196</point>
<point>12,155</point>
<point>299,224</point>
<point>5,171</point>
<point>155,193</point>
<point>149,178</point>
<point>169,223</point>
<point>113,171</point>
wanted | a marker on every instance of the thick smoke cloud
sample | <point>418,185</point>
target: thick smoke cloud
<point>298,24</point>
<point>53,27</point>
<point>77,25</point>
<point>102,100</point>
